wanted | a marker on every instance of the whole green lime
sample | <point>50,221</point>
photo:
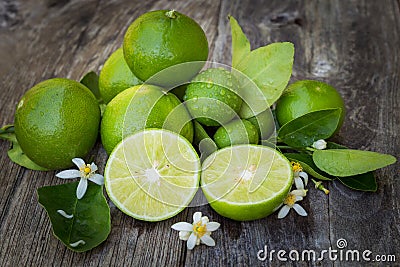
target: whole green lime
<point>163,38</point>
<point>115,76</point>
<point>140,107</point>
<point>306,96</point>
<point>211,97</point>
<point>56,121</point>
<point>235,133</point>
<point>265,124</point>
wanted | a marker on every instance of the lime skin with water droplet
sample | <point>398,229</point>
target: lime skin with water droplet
<point>55,121</point>
<point>235,133</point>
<point>212,98</point>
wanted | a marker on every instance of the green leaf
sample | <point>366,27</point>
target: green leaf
<point>308,165</point>
<point>349,162</point>
<point>91,214</point>
<point>362,182</point>
<point>270,68</point>
<point>332,145</point>
<point>305,130</point>
<point>206,145</point>
<point>15,153</point>
<point>91,81</point>
<point>240,43</point>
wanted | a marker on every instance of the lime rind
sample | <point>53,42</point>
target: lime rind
<point>246,182</point>
<point>151,192</point>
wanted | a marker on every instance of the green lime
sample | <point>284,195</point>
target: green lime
<point>306,96</point>
<point>152,175</point>
<point>211,97</point>
<point>140,107</point>
<point>55,121</point>
<point>115,76</point>
<point>264,123</point>
<point>160,39</point>
<point>246,182</point>
<point>235,133</point>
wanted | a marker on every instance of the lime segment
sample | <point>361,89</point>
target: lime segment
<point>152,175</point>
<point>246,182</point>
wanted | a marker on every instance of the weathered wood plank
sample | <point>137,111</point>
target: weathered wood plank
<point>352,45</point>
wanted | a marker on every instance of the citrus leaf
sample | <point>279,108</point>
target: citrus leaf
<point>240,43</point>
<point>206,145</point>
<point>15,153</point>
<point>332,145</point>
<point>91,81</point>
<point>362,182</point>
<point>349,162</point>
<point>308,165</point>
<point>80,224</point>
<point>270,68</point>
<point>305,130</point>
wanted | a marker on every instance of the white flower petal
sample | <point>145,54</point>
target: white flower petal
<point>283,212</point>
<point>93,167</point>
<point>299,183</point>
<point>184,235</point>
<point>299,198</point>
<point>299,209</point>
<point>212,226</point>
<point>77,243</point>
<point>182,226</point>
<point>78,162</point>
<point>81,189</point>
<point>299,192</point>
<point>206,239</point>
<point>196,217</point>
<point>191,241</point>
<point>97,179</point>
<point>204,220</point>
<point>69,174</point>
<point>304,175</point>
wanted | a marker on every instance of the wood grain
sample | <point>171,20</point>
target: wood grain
<point>352,45</point>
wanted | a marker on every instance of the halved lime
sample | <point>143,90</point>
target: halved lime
<point>152,175</point>
<point>246,182</point>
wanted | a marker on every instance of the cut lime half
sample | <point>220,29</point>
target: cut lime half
<point>152,175</point>
<point>246,182</point>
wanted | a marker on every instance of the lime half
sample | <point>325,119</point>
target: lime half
<point>246,182</point>
<point>152,175</point>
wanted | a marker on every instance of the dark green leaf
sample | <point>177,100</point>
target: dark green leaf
<point>91,81</point>
<point>332,145</point>
<point>240,43</point>
<point>15,153</point>
<point>91,214</point>
<point>362,182</point>
<point>305,130</point>
<point>308,165</point>
<point>349,162</point>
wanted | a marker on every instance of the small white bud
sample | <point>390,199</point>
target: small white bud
<point>319,144</point>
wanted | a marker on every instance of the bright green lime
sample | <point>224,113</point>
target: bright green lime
<point>140,107</point>
<point>306,96</point>
<point>152,175</point>
<point>211,97</point>
<point>115,76</point>
<point>235,133</point>
<point>246,182</point>
<point>265,124</point>
<point>56,121</point>
<point>163,38</point>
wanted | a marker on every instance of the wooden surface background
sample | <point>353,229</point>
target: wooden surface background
<point>353,45</point>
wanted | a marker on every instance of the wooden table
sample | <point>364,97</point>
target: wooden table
<point>352,45</point>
